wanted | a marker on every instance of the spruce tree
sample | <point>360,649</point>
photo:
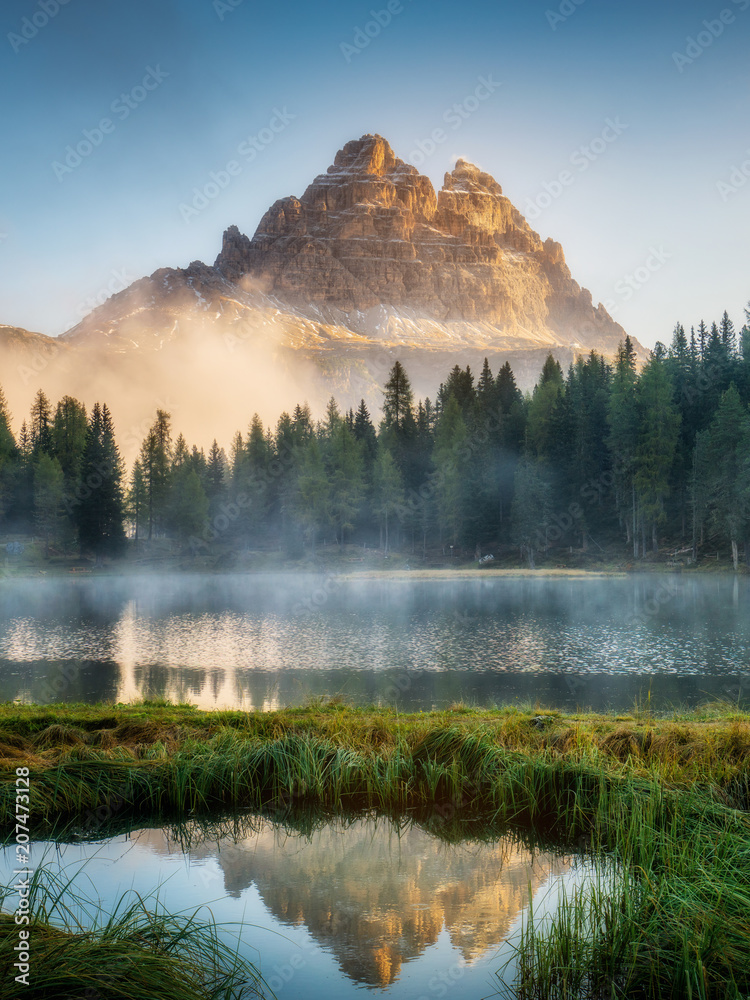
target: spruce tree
<point>68,439</point>
<point>40,426</point>
<point>399,399</point>
<point>155,458</point>
<point>388,493</point>
<point>101,511</point>
<point>364,432</point>
<point>49,487</point>
<point>657,444</point>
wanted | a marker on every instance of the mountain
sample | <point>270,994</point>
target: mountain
<point>370,264</point>
<point>371,237</point>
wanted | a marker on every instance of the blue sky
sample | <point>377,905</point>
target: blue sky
<point>161,94</point>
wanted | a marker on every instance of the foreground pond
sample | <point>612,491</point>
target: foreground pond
<point>349,906</point>
<point>268,641</point>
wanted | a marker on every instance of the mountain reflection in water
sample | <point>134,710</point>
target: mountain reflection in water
<point>374,896</point>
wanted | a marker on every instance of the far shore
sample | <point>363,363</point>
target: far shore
<point>345,571</point>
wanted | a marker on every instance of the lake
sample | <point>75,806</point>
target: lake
<point>351,906</point>
<point>265,641</point>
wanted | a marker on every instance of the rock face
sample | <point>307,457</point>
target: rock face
<point>372,232</point>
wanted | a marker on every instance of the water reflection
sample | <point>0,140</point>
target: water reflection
<point>255,641</point>
<point>386,907</point>
<point>375,896</point>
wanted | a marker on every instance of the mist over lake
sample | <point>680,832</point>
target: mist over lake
<point>265,641</point>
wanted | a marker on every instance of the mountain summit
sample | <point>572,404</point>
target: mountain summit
<point>372,232</point>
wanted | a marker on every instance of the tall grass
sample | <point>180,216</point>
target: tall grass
<point>668,916</point>
<point>136,952</point>
<point>660,804</point>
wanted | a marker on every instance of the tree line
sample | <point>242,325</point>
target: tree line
<point>603,454</point>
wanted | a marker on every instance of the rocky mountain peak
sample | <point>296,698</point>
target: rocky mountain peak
<point>467,177</point>
<point>371,154</point>
<point>371,232</point>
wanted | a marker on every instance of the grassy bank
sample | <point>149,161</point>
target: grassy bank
<point>178,758</point>
<point>663,800</point>
<point>136,952</point>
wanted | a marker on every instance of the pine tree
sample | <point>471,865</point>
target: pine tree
<point>728,336</point>
<point>188,511</point>
<point>486,386</point>
<point>9,459</point>
<point>702,340</point>
<point>729,475</point>
<point>135,501</point>
<point>49,487</point>
<point>540,428</point>
<point>68,439</point>
<point>253,481</point>
<point>364,432</point>
<point>388,492</point>
<point>7,441</point>
<point>216,471</point>
<point>657,444</point>
<point>313,494</point>
<point>346,476</point>
<point>332,419</point>
<point>180,454</point>
<point>452,466</point>
<point>40,427</point>
<point>155,458</point>
<point>531,510</point>
<point>623,423</point>
<point>460,385</point>
<point>101,511</point>
<point>399,399</point>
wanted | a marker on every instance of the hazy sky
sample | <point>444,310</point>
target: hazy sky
<point>186,86</point>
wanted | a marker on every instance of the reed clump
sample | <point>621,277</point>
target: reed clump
<point>135,952</point>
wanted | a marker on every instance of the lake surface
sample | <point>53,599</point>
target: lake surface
<point>365,905</point>
<point>255,641</point>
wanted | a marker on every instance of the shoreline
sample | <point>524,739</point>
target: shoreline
<point>354,574</point>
